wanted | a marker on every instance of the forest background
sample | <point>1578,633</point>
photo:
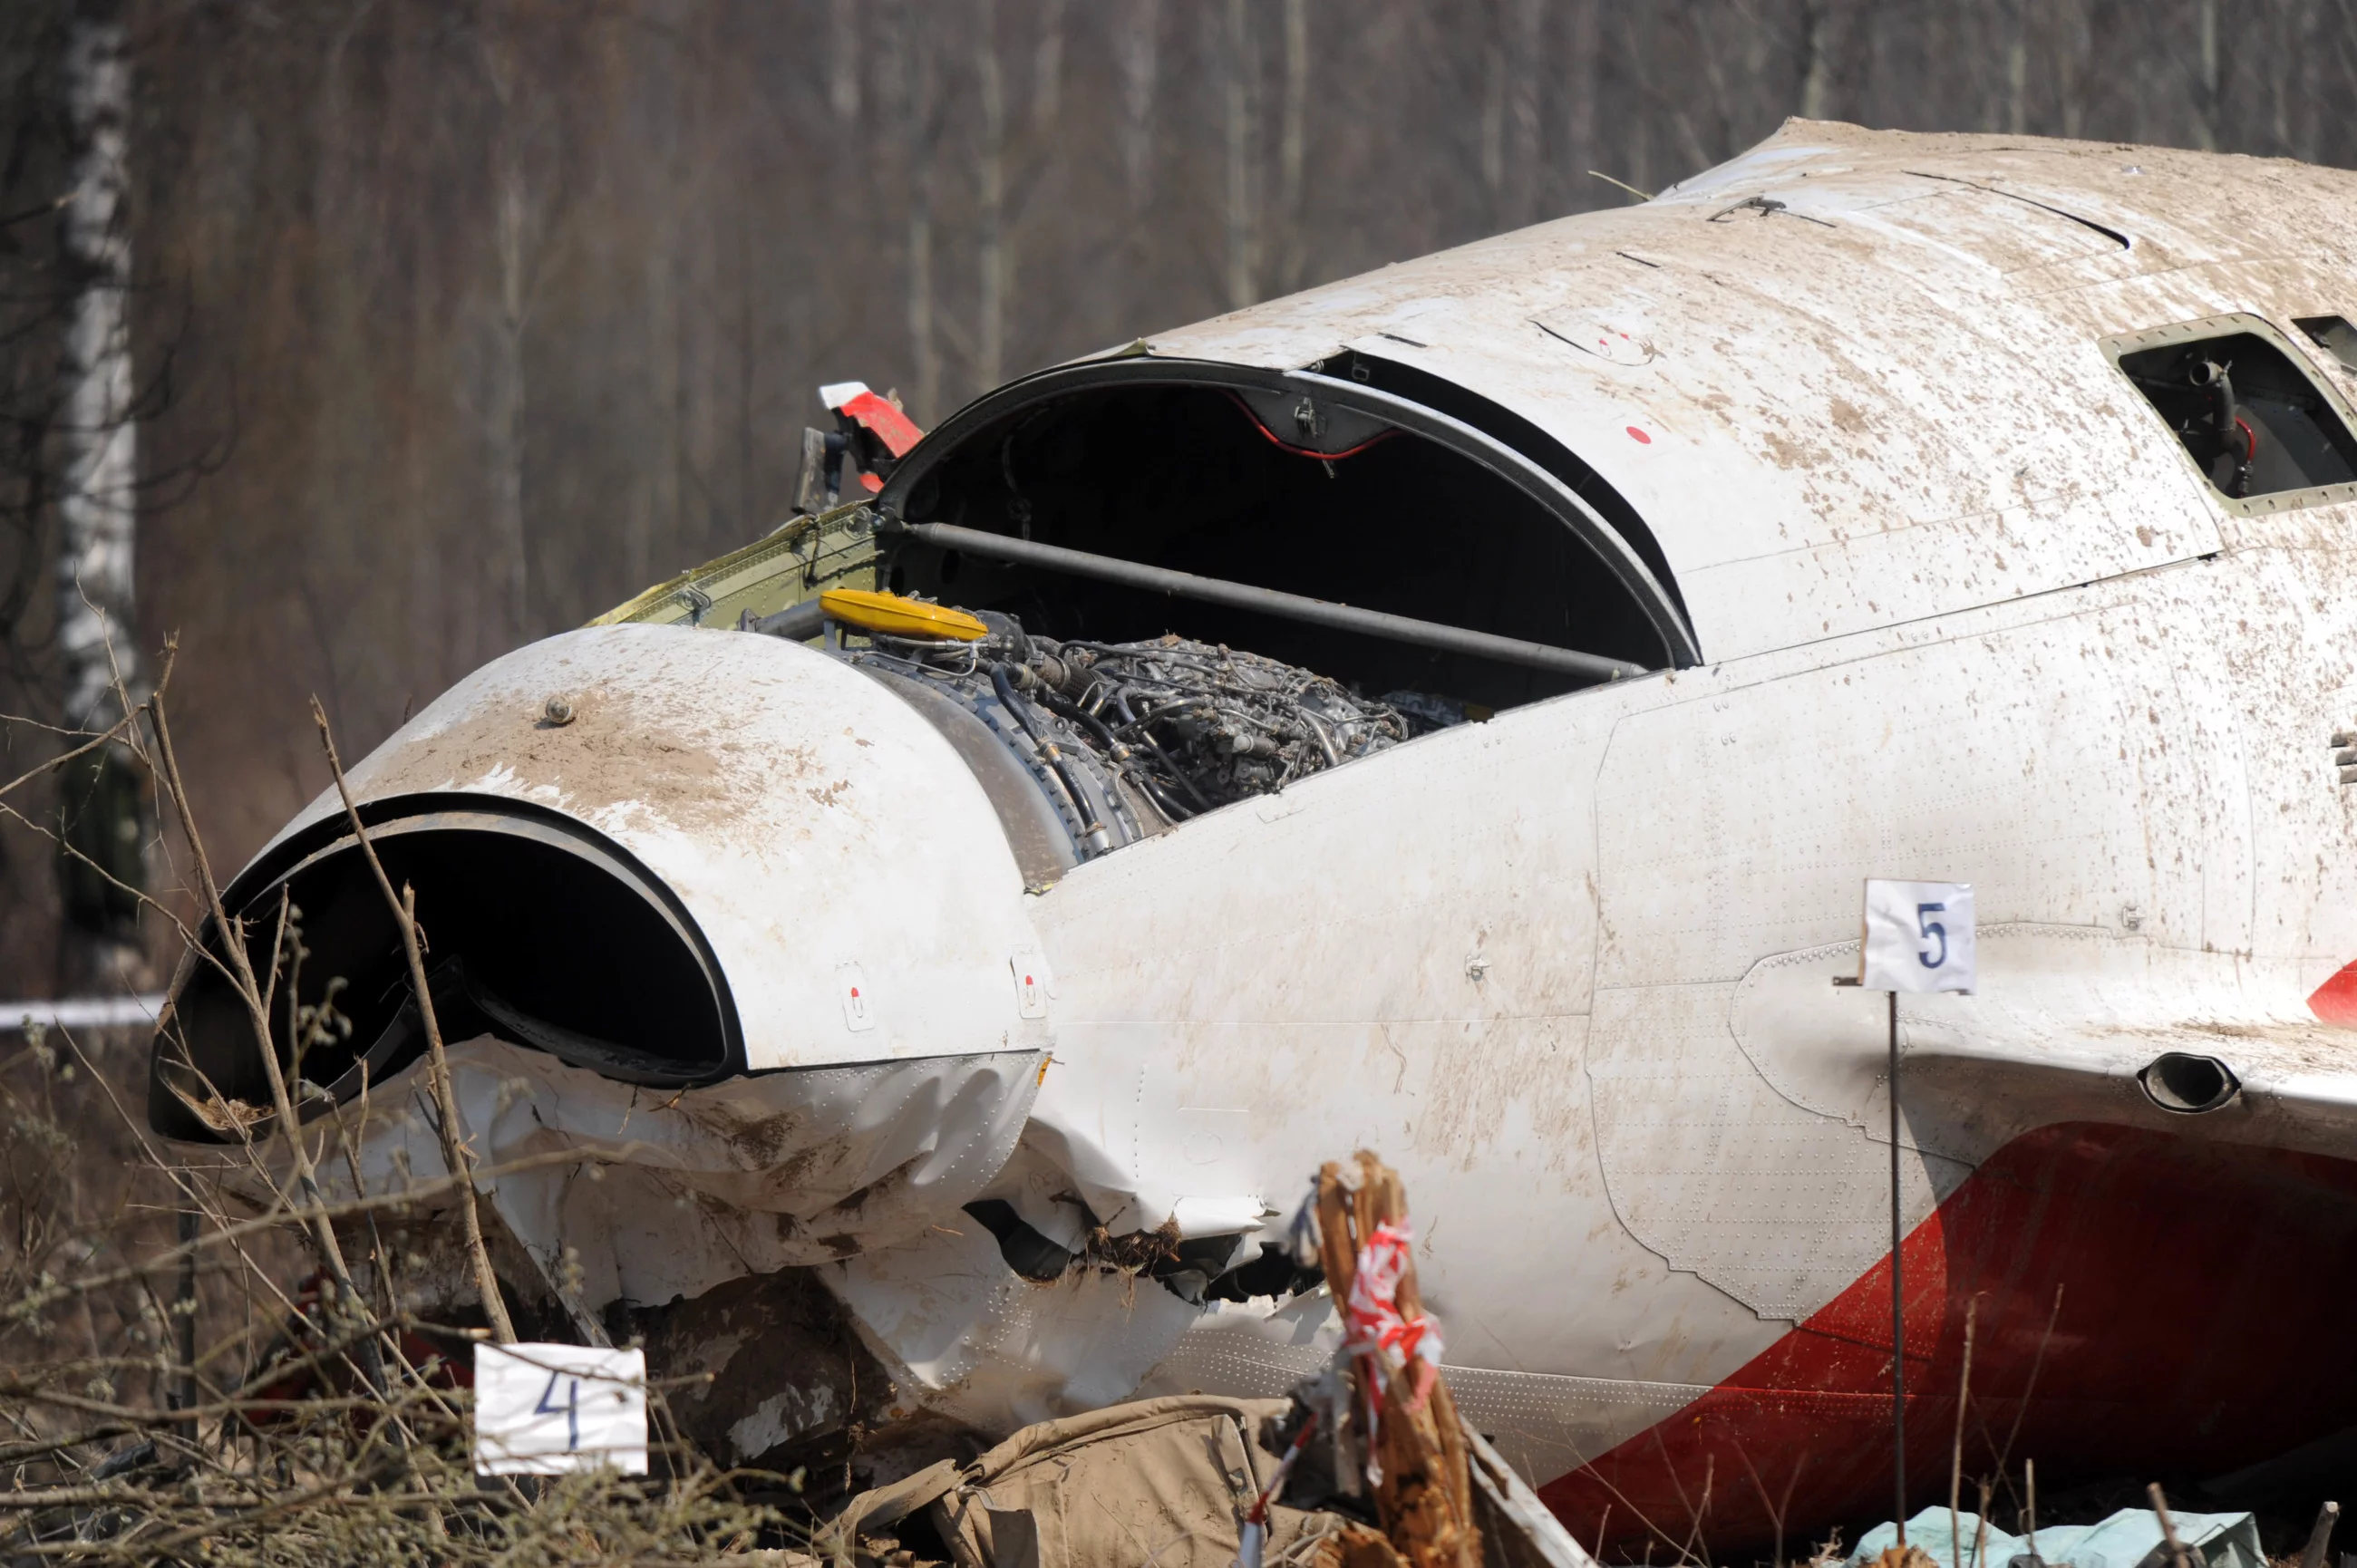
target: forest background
<point>454,322</point>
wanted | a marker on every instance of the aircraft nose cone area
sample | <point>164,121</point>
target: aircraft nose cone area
<point>669,855</point>
<point>717,866</point>
<point>849,875</point>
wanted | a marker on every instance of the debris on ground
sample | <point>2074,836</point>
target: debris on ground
<point>1179,1482</point>
<point>1162,1480</point>
<point>1365,1466</point>
<point>2129,1539</point>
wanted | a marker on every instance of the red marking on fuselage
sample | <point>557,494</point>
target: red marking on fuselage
<point>2198,1280</point>
<point>2335,1001</point>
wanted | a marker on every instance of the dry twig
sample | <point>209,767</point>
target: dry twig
<point>459,1158</point>
<point>346,1441</point>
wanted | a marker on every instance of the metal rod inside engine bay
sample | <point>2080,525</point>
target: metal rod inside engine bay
<point>1268,601</point>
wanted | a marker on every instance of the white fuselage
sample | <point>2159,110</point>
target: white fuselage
<point>1966,611</point>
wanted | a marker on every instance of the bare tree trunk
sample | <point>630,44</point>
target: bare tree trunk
<point>2017,72</point>
<point>101,811</point>
<point>2076,53</point>
<point>1493,110</point>
<point>2208,90</point>
<point>1243,137</point>
<point>990,352</point>
<point>2308,83</point>
<point>511,242</point>
<point>1047,67</point>
<point>1583,51</point>
<point>98,440</point>
<point>2284,64</point>
<point>1819,48</point>
<point>1641,26</point>
<point>1138,49</point>
<point>656,508</point>
<point>508,401</point>
<point>1519,190</point>
<point>438,650</point>
<point>1702,48</point>
<point>1293,150</point>
<point>924,342</point>
<point>2342,30</point>
<point>843,61</point>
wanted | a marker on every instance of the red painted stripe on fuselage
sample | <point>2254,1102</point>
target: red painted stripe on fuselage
<point>2335,1001</point>
<point>2200,1280</point>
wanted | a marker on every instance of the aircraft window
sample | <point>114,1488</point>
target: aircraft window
<point>2254,420</point>
<point>2334,335</point>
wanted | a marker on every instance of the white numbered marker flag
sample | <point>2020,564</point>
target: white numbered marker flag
<point>1918,936</point>
<point>541,1409</point>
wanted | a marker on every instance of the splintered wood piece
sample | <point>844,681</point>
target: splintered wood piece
<point>2321,1537</point>
<point>1425,1499</point>
<point>1357,1546</point>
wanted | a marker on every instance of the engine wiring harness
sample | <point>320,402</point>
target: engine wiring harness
<point>1131,738</point>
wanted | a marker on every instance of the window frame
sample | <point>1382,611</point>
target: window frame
<point>2232,324</point>
<point>1660,605</point>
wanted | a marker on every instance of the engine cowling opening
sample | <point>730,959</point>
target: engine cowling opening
<point>1301,484</point>
<point>536,931</point>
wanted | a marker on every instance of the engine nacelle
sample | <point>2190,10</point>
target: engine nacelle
<point>757,898</point>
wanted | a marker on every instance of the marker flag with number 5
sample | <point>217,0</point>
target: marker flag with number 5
<point>1918,936</point>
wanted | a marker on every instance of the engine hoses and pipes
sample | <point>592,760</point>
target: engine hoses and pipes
<point>1161,798</point>
<point>919,656</point>
<point>1129,722</point>
<point>1124,757</point>
<point>1057,703</point>
<point>1333,757</point>
<point>1093,832</point>
<point>2234,433</point>
<point>1181,707</point>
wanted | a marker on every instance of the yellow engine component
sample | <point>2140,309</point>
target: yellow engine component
<point>895,617</point>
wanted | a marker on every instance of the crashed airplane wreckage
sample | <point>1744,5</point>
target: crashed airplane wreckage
<point>1452,710</point>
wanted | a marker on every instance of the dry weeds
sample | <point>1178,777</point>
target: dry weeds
<point>173,1390</point>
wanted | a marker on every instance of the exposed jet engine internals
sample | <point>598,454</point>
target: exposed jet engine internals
<point>1197,726</point>
<point>1126,739</point>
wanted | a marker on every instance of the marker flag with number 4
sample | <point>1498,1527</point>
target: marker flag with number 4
<point>1918,936</point>
<point>541,1409</point>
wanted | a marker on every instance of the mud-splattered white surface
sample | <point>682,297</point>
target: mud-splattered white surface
<point>1971,615</point>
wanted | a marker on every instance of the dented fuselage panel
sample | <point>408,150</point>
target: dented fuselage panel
<point>1835,444</point>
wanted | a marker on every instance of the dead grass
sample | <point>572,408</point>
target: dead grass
<point>186,1377</point>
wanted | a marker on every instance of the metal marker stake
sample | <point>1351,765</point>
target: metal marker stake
<point>1898,1298</point>
<point>1916,936</point>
